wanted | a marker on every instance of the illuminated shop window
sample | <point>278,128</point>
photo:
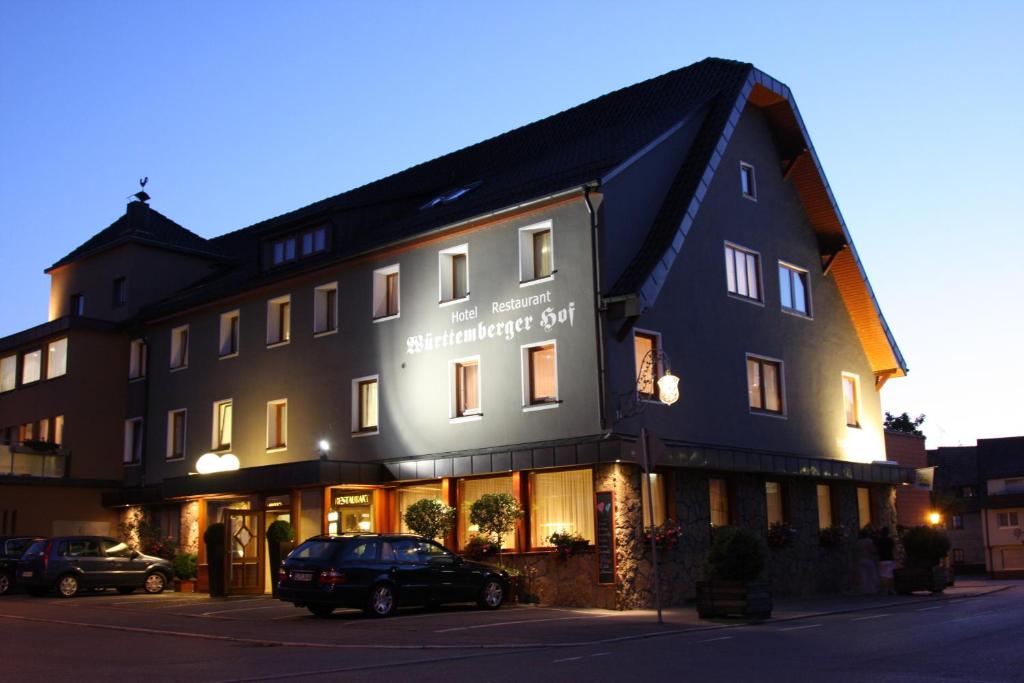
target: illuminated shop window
<point>743,272</point>
<point>179,347</point>
<point>824,506</point>
<point>863,506</point>
<point>773,502</point>
<point>470,490</point>
<point>656,482</point>
<point>561,502</point>
<point>407,495</point>
<point>351,511</point>
<point>718,490</point>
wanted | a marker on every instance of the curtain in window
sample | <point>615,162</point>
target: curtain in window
<point>773,500</point>
<point>659,498</point>
<point>719,498</point>
<point>824,506</point>
<point>407,495</point>
<point>368,405</point>
<point>561,501</point>
<point>471,490</point>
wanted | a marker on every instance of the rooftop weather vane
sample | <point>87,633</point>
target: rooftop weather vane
<point>141,195</point>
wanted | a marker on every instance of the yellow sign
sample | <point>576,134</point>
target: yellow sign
<point>360,499</point>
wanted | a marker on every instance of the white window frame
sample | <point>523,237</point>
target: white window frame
<point>216,424</point>
<point>225,332</point>
<point>1010,523</point>
<point>809,315</point>
<point>270,406</point>
<point>379,302</point>
<point>453,398</point>
<point>526,265</point>
<point>446,275</point>
<point>784,404</point>
<point>127,457</point>
<point>524,359</point>
<point>175,332</point>
<point>744,167</point>
<point>856,399</point>
<point>319,303</point>
<point>274,318</point>
<point>356,407</point>
<point>49,358</point>
<point>759,301</point>
<point>11,362</point>
<point>137,351</point>
<point>656,368</point>
<point>169,452</point>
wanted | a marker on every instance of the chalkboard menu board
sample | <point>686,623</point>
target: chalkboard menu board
<point>605,516</point>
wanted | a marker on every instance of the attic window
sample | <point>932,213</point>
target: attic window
<point>450,195</point>
<point>300,244</point>
<point>748,184</point>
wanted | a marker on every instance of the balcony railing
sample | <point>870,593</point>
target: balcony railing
<point>25,461</point>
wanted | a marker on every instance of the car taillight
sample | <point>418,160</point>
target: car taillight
<point>332,577</point>
<point>46,554</point>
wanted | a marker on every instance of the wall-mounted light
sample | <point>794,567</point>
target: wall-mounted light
<point>324,445</point>
<point>668,388</point>
<point>934,518</point>
<point>209,463</point>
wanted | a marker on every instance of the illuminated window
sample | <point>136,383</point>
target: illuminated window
<point>176,424</point>
<point>824,506</point>
<point>58,430</point>
<point>44,429</point>
<point>179,347</point>
<point>863,506</point>
<point>385,293</point>
<point>470,491</point>
<point>27,432</point>
<point>561,502</point>
<point>718,495</point>
<point>229,334</point>
<point>137,359</point>
<point>277,424</point>
<point>8,372</point>
<point>851,399</point>
<point>222,411</point>
<point>793,290</point>
<point>56,358</point>
<point>407,495</point>
<point>119,295</point>
<point>325,308</point>
<point>536,253</point>
<point>764,385</point>
<point>648,366</point>
<point>773,502</point>
<point>465,387</point>
<point>78,304</point>
<point>279,320</point>
<point>30,366</point>
<point>364,405</point>
<point>743,272</point>
<point>657,486</point>
<point>540,375</point>
<point>453,269</point>
<point>132,441</point>
<point>748,184</point>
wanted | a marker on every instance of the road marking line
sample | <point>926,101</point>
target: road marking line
<point>711,640</point>
<point>521,621</point>
<point>566,659</point>
<point>240,609</point>
<point>798,628</point>
<point>871,616</point>
<point>600,654</point>
<point>925,609</point>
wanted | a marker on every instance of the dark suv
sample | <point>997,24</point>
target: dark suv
<point>381,572</point>
<point>11,548</point>
<point>71,563</point>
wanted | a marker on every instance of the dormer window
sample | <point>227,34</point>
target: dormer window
<point>301,244</point>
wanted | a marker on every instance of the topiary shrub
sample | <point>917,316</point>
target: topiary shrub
<point>280,531</point>
<point>495,514</point>
<point>925,546</point>
<point>184,565</point>
<point>735,555</point>
<point>430,518</point>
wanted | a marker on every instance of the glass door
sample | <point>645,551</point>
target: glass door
<point>245,552</point>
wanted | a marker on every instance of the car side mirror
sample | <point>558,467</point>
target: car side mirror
<point>133,554</point>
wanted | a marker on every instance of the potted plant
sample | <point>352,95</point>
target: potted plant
<point>184,566</point>
<point>731,570</point>
<point>925,547</point>
<point>496,514</point>
<point>666,535</point>
<point>430,518</point>
<point>479,548</point>
<point>213,537</point>
<point>567,543</point>
<point>280,537</point>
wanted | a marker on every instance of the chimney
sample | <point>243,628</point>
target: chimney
<point>138,215</point>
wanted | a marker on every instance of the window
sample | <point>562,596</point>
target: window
<point>743,272</point>
<point>851,399</point>
<point>279,320</point>
<point>470,490</point>
<point>119,294</point>
<point>764,385</point>
<point>748,184</point>
<point>179,347</point>
<point>229,334</point>
<point>540,375</point>
<point>30,366</point>
<point>44,430</point>
<point>176,420</point>
<point>1014,485</point>
<point>645,350</point>
<point>453,269</point>
<point>222,425</point>
<point>364,405</point>
<point>656,483</point>
<point>465,388</point>
<point>1008,520</point>
<point>283,250</point>
<point>968,492</point>
<point>793,289</point>
<point>137,359</point>
<point>773,502</point>
<point>407,495</point>
<point>78,304</point>
<point>385,293</point>
<point>287,248</point>
<point>958,555</point>
<point>8,372</point>
<point>27,432</point>
<point>561,502</point>
<point>863,506</point>
<point>824,506</point>
<point>133,441</point>
<point>325,309</point>
<point>58,430</point>
<point>277,424</point>
<point>958,522</point>
<point>57,358</point>
<point>718,494</point>
<point>536,253</point>
<point>314,241</point>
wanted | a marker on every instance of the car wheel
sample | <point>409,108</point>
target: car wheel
<point>322,611</point>
<point>154,583</point>
<point>126,590</point>
<point>382,601</point>
<point>67,586</point>
<point>5,584</point>
<point>492,594</point>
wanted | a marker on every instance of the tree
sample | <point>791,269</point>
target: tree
<point>496,514</point>
<point>430,518</point>
<point>904,423</point>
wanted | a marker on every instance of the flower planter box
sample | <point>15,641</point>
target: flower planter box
<point>932,579</point>
<point>734,599</point>
<point>185,585</point>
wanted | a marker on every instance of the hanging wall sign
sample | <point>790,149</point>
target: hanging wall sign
<point>604,516</point>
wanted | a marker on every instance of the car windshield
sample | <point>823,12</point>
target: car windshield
<point>314,550</point>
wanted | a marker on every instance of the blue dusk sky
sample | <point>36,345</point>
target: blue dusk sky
<point>239,111</point>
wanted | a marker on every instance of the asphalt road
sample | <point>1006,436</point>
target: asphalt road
<point>194,638</point>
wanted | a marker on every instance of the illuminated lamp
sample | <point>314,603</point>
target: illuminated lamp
<point>324,445</point>
<point>209,463</point>
<point>668,388</point>
<point>934,518</point>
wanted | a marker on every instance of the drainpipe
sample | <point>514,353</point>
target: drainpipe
<point>598,326</point>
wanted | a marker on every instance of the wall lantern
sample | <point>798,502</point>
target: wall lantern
<point>668,388</point>
<point>934,518</point>
<point>209,463</point>
<point>324,445</point>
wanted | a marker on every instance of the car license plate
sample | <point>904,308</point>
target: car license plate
<point>302,576</point>
<point>26,575</point>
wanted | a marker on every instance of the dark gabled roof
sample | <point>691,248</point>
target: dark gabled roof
<point>141,224</point>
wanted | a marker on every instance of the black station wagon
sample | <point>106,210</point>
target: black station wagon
<point>11,549</point>
<point>379,573</point>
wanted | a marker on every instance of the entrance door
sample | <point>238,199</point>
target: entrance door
<point>245,547</point>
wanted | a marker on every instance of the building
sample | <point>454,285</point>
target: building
<point>913,504</point>
<point>957,496</point>
<point>478,323</point>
